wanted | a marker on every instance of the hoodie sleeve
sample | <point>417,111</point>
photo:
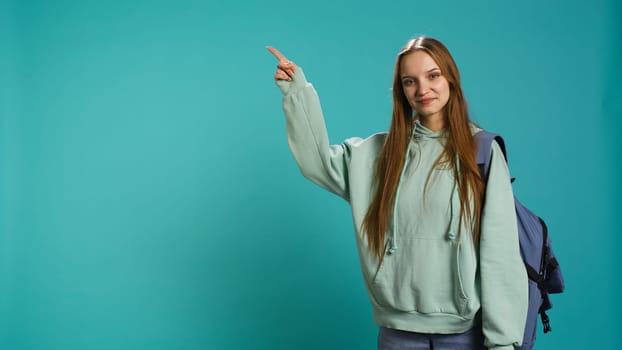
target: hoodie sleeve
<point>324,164</point>
<point>504,288</point>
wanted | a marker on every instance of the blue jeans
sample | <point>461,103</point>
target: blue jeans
<point>393,339</point>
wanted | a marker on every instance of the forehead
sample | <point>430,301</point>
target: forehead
<point>417,63</point>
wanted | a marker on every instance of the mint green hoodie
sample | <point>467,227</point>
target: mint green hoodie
<point>431,280</point>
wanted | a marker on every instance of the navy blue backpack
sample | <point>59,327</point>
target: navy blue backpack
<point>545,275</point>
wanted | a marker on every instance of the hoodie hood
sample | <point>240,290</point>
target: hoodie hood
<point>420,132</point>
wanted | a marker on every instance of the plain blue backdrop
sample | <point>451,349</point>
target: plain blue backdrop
<point>149,200</point>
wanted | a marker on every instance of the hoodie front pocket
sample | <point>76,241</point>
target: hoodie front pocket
<point>423,276</point>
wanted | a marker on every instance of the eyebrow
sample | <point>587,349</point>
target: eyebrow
<point>429,71</point>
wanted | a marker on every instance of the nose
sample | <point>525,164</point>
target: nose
<point>422,89</point>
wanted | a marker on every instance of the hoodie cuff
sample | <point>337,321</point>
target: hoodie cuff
<point>298,82</point>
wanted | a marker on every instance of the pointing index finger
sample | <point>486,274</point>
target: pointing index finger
<point>277,54</point>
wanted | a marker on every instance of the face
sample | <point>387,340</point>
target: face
<point>424,85</point>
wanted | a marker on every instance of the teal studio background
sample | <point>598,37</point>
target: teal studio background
<point>149,199</point>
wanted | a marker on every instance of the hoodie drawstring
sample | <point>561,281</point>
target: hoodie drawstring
<point>452,233</point>
<point>393,247</point>
<point>454,222</point>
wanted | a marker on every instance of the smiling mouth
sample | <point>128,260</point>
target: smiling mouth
<point>426,101</point>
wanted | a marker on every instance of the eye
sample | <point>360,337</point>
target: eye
<point>408,82</point>
<point>434,76</point>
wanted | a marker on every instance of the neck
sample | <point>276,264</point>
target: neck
<point>433,122</point>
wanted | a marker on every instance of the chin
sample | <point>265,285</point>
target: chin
<point>426,113</point>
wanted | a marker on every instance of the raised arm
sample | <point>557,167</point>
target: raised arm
<point>320,162</point>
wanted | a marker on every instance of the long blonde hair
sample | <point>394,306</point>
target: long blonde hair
<point>459,150</point>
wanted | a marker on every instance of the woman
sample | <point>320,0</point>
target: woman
<point>438,247</point>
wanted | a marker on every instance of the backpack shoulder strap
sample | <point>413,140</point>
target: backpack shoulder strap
<point>484,144</point>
